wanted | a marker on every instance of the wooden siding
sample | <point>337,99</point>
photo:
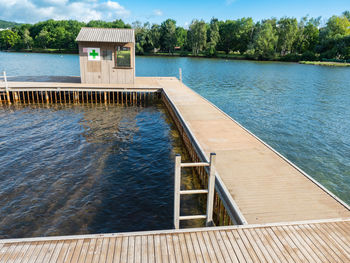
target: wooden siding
<point>104,71</point>
<point>301,242</point>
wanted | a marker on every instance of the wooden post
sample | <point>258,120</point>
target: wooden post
<point>46,97</point>
<point>211,188</point>
<point>177,185</point>
<point>7,88</point>
<point>180,74</point>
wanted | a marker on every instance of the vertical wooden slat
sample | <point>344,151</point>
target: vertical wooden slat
<point>138,250</point>
<point>111,250</point>
<point>104,250</point>
<point>118,250</point>
<point>97,251</point>
<point>150,249</point>
<point>124,250</point>
<point>83,251</point>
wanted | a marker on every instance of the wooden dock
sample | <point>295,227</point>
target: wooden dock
<point>258,185</point>
<point>327,241</point>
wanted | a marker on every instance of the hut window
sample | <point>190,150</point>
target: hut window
<point>123,57</point>
<point>107,54</point>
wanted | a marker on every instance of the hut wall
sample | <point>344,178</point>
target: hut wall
<point>105,71</point>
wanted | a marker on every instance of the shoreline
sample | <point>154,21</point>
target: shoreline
<point>189,55</point>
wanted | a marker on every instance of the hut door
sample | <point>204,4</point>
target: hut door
<point>106,65</point>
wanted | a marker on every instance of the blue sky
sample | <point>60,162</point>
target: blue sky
<point>157,11</point>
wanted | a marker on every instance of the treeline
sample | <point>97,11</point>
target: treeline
<point>270,39</point>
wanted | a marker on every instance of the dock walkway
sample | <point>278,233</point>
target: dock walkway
<point>265,186</point>
<point>297,242</point>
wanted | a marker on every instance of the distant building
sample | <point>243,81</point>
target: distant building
<point>107,55</point>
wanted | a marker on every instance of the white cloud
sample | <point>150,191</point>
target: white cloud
<point>158,12</point>
<point>83,10</point>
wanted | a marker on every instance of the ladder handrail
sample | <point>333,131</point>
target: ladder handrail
<point>178,192</point>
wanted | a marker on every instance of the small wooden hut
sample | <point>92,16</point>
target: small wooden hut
<point>107,55</point>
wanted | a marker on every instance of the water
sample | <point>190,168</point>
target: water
<point>74,169</point>
<point>302,111</point>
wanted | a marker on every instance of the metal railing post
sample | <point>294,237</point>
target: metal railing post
<point>211,188</point>
<point>180,74</point>
<point>177,186</point>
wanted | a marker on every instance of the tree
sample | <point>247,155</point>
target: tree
<point>308,35</point>
<point>265,40</point>
<point>213,36</point>
<point>43,39</point>
<point>168,35</point>
<point>197,36</point>
<point>287,29</point>
<point>181,37</point>
<point>8,39</point>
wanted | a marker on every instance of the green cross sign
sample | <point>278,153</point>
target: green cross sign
<point>93,54</point>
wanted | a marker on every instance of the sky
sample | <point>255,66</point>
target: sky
<point>156,11</point>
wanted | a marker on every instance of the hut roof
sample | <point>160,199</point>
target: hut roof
<point>110,35</point>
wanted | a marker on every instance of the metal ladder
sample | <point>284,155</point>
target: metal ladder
<point>210,191</point>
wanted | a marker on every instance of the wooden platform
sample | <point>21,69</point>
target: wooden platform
<point>296,242</point>
<point>265,186</point>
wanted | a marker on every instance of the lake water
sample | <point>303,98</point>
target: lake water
<point>80,169</point>
<point>302,111</point>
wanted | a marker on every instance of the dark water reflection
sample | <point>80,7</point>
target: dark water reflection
<point>87,169</point>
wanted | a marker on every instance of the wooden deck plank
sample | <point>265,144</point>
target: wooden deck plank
<point>184,250</point>
<point>331,244</point>
<point>318,255</point>
<point>171,249</point>
<point>104,250</point>
<point>83,251</point>
<point>299,243</point>
<point>138,250</point>
<point>196,247</point>
<point>329,254</point>
<point>203,248</point>
<point>118,250</point>
<point>90,251</point>
<point>44,251</point>
<point>216,243</point>
<point>144,249</point>
<point>164,248</point>
<point>131,249</point>
<point>157,248</point>
<point>22,253</point>
<point>110,250</point>
<point>245,247</point>
<point>331,231</point>
<point>288,245</point>
<point>70,251</point>
<point>150,249</point>
<point>267,245</point>
<point>12,257</point>
<point>232,250</point>
<point>283,242</point>
<point>177,248</point>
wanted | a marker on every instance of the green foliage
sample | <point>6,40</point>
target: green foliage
<point>197,36</point>
<point>7,24</point>
<point>264,44</point>
<point>8,39</point>
<point>270,39</point>
<point>168,35</point>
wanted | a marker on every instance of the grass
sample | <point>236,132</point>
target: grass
<point>325,63</point>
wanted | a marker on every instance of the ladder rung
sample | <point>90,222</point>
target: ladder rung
<point>193,217</point>
<point>194,164</point>
<point>191,192</point>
